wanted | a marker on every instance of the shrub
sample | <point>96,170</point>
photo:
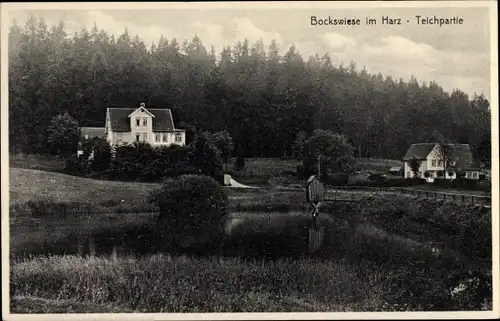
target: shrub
<point>75,165</point>
<point>417,289</point>
<point>239,163</point>
<point>63,134</point>
<point>205,156</point>
<point>192,208</point>
<point>336,179</point>
<point>427,174</point>
<point>102,155</point>
<point>182,168</point>
<point>376,177</point>
<point>334,151</point>
<point>440,174</point>
<point>393,182</point>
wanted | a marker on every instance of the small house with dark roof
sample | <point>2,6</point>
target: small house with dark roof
<point>153,125</point>
<point>91,132</point>
<point>459,158</point>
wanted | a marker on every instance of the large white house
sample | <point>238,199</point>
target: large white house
<point>128,125</point>
<point>460,159</point>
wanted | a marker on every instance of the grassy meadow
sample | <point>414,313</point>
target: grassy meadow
<point>386,252</point>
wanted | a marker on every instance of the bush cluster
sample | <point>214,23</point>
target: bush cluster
<point>192,210</point>
<point>337,179</point>
<point>393,182</point>
<point>143,162</point>
<point>239,163</point>
<point>463,183</point>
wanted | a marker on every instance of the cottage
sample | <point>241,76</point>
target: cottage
<point>128,125</point>
<point>458,158</point>
<point>153,126</point>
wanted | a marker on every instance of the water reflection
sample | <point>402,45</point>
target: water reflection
<point>244,234</point>
<point>114,246</point>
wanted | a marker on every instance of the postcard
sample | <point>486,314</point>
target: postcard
<point>250,160</point>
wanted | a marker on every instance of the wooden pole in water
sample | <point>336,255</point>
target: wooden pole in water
<point>91,246</point>
<point>114,255</point>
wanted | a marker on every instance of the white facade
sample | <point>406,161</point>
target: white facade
<point>433,164</point>
<point>141,130</point>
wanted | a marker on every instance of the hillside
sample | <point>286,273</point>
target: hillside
<point>29,184</point>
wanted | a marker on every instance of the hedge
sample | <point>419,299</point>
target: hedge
<point>397,182</point>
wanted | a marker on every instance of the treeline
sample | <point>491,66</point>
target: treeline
<point>261,96</point>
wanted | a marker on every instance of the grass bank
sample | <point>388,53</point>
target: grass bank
<point>27,184</point>
<point>161,283</point>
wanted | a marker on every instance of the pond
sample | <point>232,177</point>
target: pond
<point>244,234</point>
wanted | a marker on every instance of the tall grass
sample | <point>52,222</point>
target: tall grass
<point>163,284</point>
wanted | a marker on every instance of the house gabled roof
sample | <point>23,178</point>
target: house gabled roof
<point>92,132</point>
<point>141,109</point>
<point>419,151</point>
<point>462,153</point>
<point>162,121</point>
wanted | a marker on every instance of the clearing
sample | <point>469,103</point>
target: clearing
<point>29,184</point>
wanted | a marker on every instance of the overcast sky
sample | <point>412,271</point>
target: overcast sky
<point>455,56</point>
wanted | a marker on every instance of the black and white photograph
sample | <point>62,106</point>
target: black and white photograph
<point>217,160</point>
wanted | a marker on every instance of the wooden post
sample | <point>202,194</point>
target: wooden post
<point>91,245</point>
<point>319,166</point>
<point>114,254</point>
<point>79,245</point>
<point>472,199</point>
<point>463,198</point>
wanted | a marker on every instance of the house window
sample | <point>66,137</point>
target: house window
<point>408,174</point>
<point>137,137</point>
<point>145,122</point>
<point>157,137</point>
<point>137,121</point>
<point>119,138</point>
<point>178,138</point>
<point>440,163</point>
<point>474,175</point>
<point>165,138</point>
<point>145,137</point>
<point>433,163</point>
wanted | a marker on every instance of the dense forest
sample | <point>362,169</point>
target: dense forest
<point>263,97</point>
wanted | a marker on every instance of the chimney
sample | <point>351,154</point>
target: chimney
<point>143,105</point>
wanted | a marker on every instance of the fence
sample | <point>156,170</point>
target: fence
<point>463,198</point>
